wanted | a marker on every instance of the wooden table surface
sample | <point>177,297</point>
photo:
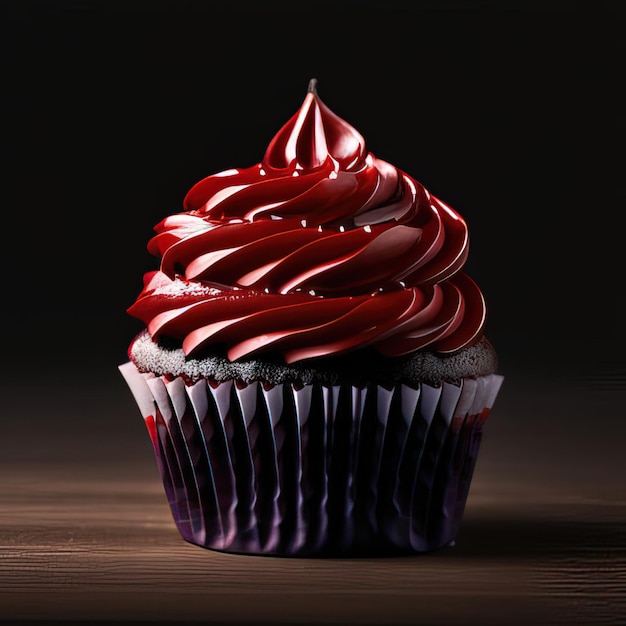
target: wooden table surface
<point>86,533</point>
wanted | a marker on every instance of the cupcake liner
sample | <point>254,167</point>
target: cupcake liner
<point>314,470</point>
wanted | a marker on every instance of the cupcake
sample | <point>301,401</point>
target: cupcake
<point>312,367</point>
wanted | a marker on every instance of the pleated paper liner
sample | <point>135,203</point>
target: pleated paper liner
<point>315,471</point>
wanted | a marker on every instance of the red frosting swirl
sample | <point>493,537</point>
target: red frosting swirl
<point>318,250</point>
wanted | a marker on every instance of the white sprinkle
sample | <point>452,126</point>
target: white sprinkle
<point>266,290</point>
<point>342,229</point>
<point>332,175</point>
<point>180,287</point>
<point>367,228</point>
<point>262,172</point>
<point>402,283</point>
<point>319,228</point>
<point>311,292</point>
<point>303,222</point>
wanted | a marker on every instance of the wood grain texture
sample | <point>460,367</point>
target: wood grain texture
<point>86,535</point>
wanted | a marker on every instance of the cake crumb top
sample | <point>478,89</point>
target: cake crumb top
<point>357,368</point>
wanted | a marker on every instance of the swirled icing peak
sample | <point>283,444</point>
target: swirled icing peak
<point>319,249</point>
<point>313,135</point>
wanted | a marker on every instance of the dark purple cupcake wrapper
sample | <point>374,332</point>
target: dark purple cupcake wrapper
<point>318,470</point>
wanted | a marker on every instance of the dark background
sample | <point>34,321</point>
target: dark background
<point>510,112</point>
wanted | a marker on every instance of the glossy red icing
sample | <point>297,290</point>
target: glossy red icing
<point>320,249</point>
